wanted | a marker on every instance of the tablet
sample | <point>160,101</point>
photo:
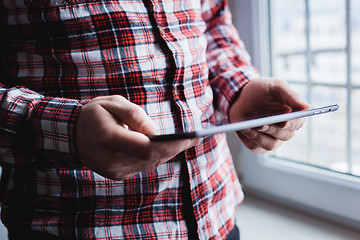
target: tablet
<point>253,123</point>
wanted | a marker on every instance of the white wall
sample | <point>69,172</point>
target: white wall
<point>243,21</point>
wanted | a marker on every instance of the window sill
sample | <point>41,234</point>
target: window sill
<point>261,219</point>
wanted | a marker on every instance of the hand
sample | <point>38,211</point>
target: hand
<point>106,146</point>
<point>267,96</point>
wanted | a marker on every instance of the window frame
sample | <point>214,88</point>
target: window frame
<point>330,195</point>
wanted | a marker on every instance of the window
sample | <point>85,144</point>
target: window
<point>315,45</point>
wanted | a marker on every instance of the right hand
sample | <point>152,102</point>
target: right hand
<point>106,146</point>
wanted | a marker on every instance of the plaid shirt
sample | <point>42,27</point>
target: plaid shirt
<point>180,60</point>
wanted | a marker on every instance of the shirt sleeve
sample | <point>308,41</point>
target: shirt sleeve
<point>43,127</point>
<point>229,63</point>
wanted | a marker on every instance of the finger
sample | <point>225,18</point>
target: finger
<point>122,166</point>
<point>277,132</point>
<point>134,165</point>
<point>169,149</point>
<point>139,145</point>
<point>263,140</point>
<point>137,154</point>
<point>282,91</point>
<point>129,113</point>
<point>295,124</point>
<point>252,146</point>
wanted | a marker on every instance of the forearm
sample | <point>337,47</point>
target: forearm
<point>229,63</point>
<point>47,125</point>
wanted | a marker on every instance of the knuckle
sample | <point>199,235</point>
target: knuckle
<point>271,146</point>
<point>290,125</point>
<point>117,98</point>
<point>251,146</point>
<point>252,134</point>
<point>256,149</point>
<point>133,110</point>
<point>289,136</point>
<point>273,130</point>
<point>279,83</point>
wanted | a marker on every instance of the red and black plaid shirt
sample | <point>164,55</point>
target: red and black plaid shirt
<point>180,60</point>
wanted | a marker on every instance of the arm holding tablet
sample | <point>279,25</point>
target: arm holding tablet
<point>261,96</point>
<point>246,124</point>
<point>266,113</point>
<point>267,96</point>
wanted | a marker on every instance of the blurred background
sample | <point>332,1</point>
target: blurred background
<point>315,45</point>
<point>310,187</point>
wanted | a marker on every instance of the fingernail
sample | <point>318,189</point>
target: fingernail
<point>245,131</point>
<point>264,128</point>
<point>197,142</point>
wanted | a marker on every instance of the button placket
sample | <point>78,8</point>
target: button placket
<point>162,31</point>
<point>178,91</point>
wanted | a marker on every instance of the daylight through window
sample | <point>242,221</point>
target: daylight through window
<point>315,45</point>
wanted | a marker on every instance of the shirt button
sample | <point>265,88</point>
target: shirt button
<point>176,92</point>
<point>162,32</point>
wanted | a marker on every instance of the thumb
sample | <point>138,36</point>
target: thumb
<point>283,92</point>
<point>130,114</point>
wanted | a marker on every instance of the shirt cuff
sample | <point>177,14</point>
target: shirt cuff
<point>233,82</point>
<point>54,124</point>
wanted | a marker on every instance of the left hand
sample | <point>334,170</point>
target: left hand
<point>267,96</point>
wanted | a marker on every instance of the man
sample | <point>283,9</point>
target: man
<point>84,82</point>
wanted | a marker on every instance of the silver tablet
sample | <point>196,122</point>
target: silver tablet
<point>253,123</point>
